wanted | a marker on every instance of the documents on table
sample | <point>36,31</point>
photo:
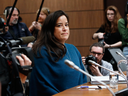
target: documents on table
<point>105,79</point>
<point>92,87</point>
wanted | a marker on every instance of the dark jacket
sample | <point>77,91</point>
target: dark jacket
<point>16,31</point>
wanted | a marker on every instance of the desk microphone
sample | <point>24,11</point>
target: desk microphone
<point>94,63</point>
<point>73,66</point>
<point>120,54</point>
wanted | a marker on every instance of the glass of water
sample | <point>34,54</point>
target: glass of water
<point>113,77</point>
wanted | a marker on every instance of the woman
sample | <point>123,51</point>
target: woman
<point>36,26</point>
<point>108,32</point>
<point>51,75</point>
<point>123,29</point>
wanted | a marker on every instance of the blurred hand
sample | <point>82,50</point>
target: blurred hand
<point>30,45</point>
<point>36,25</point>
<point>100,35</point>
<point>83,59</point>
<point>24,60</point>
<point>6,28</point>
<point>95,70</point>
<point>106,45</point>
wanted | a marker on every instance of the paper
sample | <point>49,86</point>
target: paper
<point>105,79</point>
<point>93,87</point>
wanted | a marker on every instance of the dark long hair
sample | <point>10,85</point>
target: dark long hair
<point>107,24</point>
<point>47,38</point>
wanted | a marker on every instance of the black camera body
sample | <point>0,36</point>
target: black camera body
<point>90,57</point>
<point>16,51</point>
<point>106,35</point>
<point>2,24</point>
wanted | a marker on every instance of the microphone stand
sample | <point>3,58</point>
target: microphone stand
<point>92,62</point>
<point>39,10</point>
<point>121,70</point>
<point>120,63</point>
<point>38,17</point>
<point>73,66</point>
<point>11,12</point>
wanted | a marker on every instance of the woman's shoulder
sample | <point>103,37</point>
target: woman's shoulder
<point>121,20</point>
<point>69,45</point>
<point>42,49</point>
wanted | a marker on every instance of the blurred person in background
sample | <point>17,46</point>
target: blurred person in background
<point>108,33</point>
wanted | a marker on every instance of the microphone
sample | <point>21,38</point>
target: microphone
<point>26,40</point>
<point>92,62</point>
<point>120,54</point>
<point>73,66</point>
<point>20,41</point>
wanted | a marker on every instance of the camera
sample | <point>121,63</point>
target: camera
<point>10,53</point>
<point>16,51</point>
<point>2,24</point>
<point>90,57</point>
<point>106,35</point>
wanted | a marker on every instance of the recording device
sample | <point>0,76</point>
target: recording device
<point>2,25</point>
<point>106,35</point>
<point>20,41</point>
<point>90,57</point>
<point>18,51</point>
<point>91,60</point>
<point>73,66</point>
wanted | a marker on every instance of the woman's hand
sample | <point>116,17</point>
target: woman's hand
<point>100,35</point>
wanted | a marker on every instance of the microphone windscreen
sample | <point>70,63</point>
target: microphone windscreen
<point>28,39</point>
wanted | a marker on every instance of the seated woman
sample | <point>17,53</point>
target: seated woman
<point>50,75</point>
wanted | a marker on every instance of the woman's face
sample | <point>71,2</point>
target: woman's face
<point>110,15</point>
<point>42,17</point>
<point>61,31</point>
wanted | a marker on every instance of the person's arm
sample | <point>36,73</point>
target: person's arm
<point>123,31</point>
<point>98,35</point>
<point>32,27</point>
<point>24,60</point>
<point>118,44</point>
<point>35,25</point>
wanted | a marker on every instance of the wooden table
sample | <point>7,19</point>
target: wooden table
<point>85,92</point>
